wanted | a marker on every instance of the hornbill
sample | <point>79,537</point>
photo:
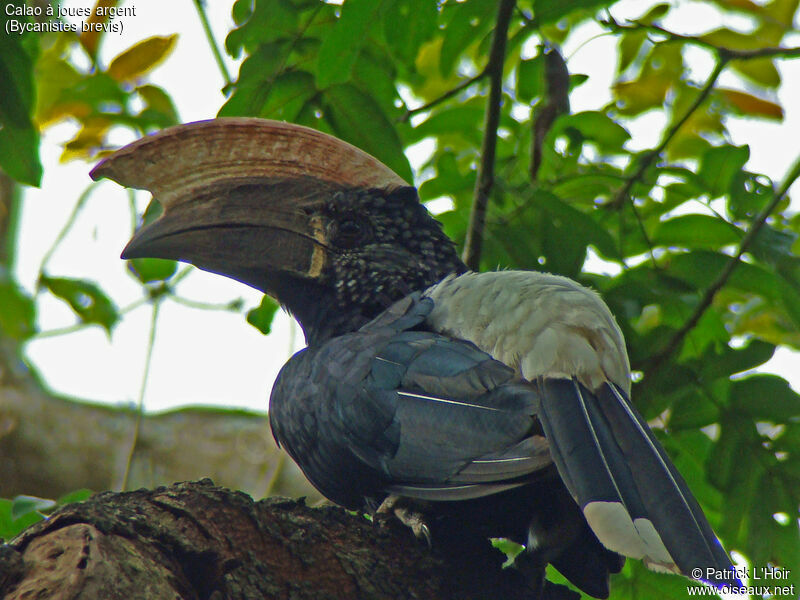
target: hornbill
<point>497,401</point>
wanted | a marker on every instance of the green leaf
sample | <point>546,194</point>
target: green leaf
<point>256,75</point>
<point>530,78</point>
<point>765,397</point>
<point>289,94</point>
<point>22,505</point>
<point>17,310</point>
<point>261,316</point>
<point>551,11</point>
<point>160,103</point>
<point>141,57</point>
<point>720,166</point>
<point>594,126</point>
<point>340,49</point>
<point>630,45</point>
<point>375,75</point>
<point>654,14</point>
<point>75,496</point>
<point>510,548</point>
<point>709,332</point>
<point>749,105</point>
<point>692,410</point>
<point>730,456</point>
<point>19,138</point>
<point>87,300</point>
<point>662,68</point>
<point>148,270</point>
<point>450,180</point>
<point>582,225</point>
<point>734,40</point>
<point>407,25</point>
<point>242,10</point>
<point>16,76</point>
<point>19,152</point>
<point>759,70</point>
<point>262,22</point>
<point>10,527</point>
<point>357,118</point>
<point>588,188</point>
<point>749,194</point>
<point>696,231</point>
<point>689,451</point>
<point>699,267</point>
<point>465,22</point>
<point>729,361</point>
<point>456,121</point>
<point>637,582</point>
<point>774,247</point>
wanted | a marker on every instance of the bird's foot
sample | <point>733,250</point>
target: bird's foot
<point>412,519</point>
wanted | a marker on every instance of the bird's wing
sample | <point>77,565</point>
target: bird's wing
<point>427,416</point>
<point>562,336</point>
<point>463,426</point>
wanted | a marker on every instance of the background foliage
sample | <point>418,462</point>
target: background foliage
<point>703,253</point>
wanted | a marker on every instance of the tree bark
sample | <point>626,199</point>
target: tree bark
<point>197,541</point>
<point>50,446</point>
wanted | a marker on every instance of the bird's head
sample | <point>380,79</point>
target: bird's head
<point>329,231</point>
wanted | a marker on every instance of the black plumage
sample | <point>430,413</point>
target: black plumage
<point>496,404</point>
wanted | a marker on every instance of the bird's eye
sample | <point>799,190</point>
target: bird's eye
<point>349,232</point>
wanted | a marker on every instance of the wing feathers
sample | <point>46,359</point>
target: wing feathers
<point>596,474</point>
<point>449,493</point>
<point>448,401</point>
<point>632,496</point>
<point>669,502</point>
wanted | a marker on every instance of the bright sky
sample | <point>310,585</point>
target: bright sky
<point>215,357</point>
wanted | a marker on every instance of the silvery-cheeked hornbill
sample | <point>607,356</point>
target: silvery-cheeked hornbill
<point>501,399</point>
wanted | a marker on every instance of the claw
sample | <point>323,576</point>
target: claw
<point>412,519</point>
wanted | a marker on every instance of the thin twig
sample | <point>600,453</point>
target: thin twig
<point>729,53</point>
<point>201,11</point>
<point>645,236</point>
<point>708,297</point>
<point>132,209</point>
<point>48,333</point>
<point>140,406</point>
<point>485,178</point>
<point>648,158</point>
<point>448,94</point>
<point>68,225</point>
<point>272,482</point>
<point>233,306</point>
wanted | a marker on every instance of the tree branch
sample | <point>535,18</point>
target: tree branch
<point>137,424</point>
<point>722,51</point>
<point>448,94</point>
<point>8,202</point>
<point>201,12</point>
<point>647,159</point>
<point>195,540</point>
<point>485,179</point>
<point>708,296</point>
<point>555,102</point>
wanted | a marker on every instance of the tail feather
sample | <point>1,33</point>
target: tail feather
<point>632,496</point>
<point>668,500</point>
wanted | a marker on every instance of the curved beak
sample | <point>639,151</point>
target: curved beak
<point>249,232</point>
<point>239,194</point>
